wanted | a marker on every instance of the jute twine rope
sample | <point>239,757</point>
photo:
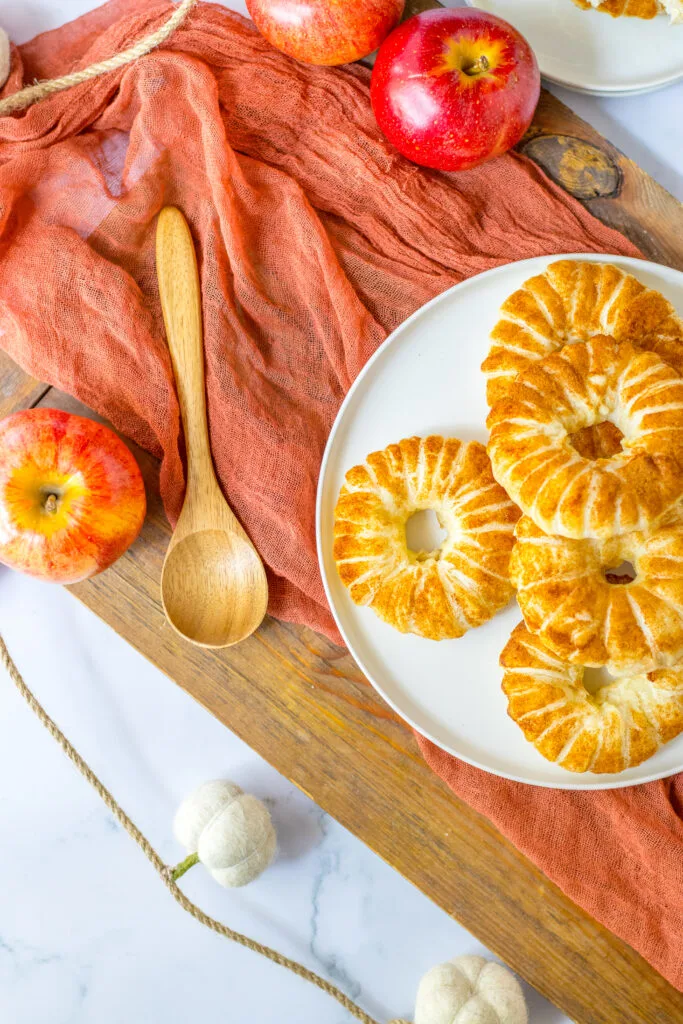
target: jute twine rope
<point>166,873</point>
<point>40,90</point>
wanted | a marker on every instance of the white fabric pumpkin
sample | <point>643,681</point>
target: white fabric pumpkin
<point>230,831</point>
<point>470,990</point>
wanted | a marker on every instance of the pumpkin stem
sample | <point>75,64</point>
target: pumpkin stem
<point>185,865</point>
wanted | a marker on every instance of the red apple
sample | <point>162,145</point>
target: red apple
<point>453,88</point>
<point>326,31</point>
<point>71,495</point>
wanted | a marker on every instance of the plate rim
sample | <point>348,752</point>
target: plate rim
<point>574,782</point>
<point>615,91</point>
<point>591,88</point>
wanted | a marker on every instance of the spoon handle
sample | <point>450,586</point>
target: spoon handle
<point>180,295</point>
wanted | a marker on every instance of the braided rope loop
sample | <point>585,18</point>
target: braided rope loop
<point>40,90</point>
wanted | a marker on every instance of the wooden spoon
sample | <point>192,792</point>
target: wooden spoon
<point>213,584</point>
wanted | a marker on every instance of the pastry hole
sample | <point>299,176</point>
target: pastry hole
<point>425,534</point>
<point>600,441</point>
<point>595,678</point>
<point>620,575</point>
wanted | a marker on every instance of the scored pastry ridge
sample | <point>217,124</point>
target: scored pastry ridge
<point>569,599</point>
<point>617,727</point>
<point>440,594</point>
<point>581,385</point>
<point>646,9</point>
<point>573,300</point>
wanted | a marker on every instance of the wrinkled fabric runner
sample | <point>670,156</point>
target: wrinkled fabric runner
<point>315,240</point>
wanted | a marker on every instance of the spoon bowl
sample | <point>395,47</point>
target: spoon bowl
<point>202,586</point>
<point>213,585</point>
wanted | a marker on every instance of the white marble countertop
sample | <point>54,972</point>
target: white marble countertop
<point>87,932</point>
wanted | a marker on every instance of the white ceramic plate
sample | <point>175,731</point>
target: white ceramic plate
<point>592,52</point>
<point>426,378</point>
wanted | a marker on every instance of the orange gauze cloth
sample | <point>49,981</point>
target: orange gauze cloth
<point>617,853</point>
<point>315,240</point>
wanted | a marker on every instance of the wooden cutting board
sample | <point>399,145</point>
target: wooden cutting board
<point>304,705</point>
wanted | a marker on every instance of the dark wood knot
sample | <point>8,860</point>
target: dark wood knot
<point>582,169</point>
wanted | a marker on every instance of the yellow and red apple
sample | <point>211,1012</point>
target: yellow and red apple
<point>325,31</point>
<point>453,88</point>
<point>72,499</point>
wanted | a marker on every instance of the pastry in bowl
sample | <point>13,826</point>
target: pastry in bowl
<point>572,301</point>
<point>617,602</point>
<point>437,594</point>
<point>618,726</point>
<point>564,491</point>
<point>636,8</point>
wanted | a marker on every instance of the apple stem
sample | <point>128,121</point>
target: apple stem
<point>478,66</point>
<point>50,503</point>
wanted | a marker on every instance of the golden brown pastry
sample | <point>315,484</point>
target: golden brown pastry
<point>573,301</point>
<point>617,727</point>
<point>574,596</point>
<point>438,594</point>
<point>636,8</point>
<point>581,385</point>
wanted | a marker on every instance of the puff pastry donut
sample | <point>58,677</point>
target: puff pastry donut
<point>583,384</point>
<point>617,727</point>
<point>572,595</point>
<point>636,8</point>
<point>439,594</point>
<point>573,301</point>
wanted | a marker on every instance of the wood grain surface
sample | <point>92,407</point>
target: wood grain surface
<point>611,186</point>
<point>304,705</point>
